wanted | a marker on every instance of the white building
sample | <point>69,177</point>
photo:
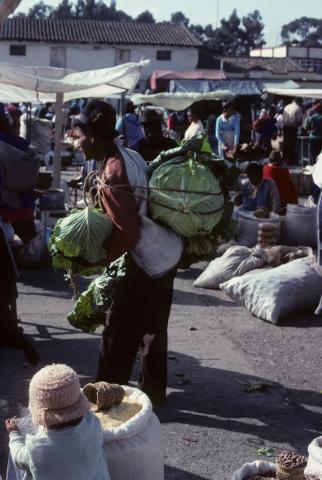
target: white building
<point>308,58</point>
<point>89,44</point>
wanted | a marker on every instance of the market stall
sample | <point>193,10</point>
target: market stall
<point>180,100</point>
<point>51,84</point>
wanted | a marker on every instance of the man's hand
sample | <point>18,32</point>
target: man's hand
<point>11,425</point>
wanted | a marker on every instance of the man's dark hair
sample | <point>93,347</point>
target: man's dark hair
<point>130,107</point>
<point>254,169</point>
<point>227,106</point>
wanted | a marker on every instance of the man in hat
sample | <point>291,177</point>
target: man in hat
<point>142,299</point>
<point>154,141</point>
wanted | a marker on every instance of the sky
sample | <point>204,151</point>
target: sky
<point>275,13</point>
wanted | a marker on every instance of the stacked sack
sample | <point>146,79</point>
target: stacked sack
<point>267,235</point>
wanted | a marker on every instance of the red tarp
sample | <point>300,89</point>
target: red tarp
<point>160,77</point>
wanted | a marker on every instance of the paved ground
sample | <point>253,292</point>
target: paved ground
<point>211,425</point>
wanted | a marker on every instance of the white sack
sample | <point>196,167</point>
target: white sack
<point>314,462</point>
<point>253,468</point>
<point>317,171</point>
<point>277,292</point>
<point>299,226</point>
<point>135,449</point>
<point>247,227</point>
<point>234,262</point>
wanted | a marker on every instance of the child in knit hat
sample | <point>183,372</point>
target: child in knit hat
<point>69,441</point>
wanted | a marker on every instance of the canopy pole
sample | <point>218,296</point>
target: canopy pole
<point>58,134</point>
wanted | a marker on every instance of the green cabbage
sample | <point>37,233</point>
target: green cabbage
<point>91,307</point>
<point>77,242</point>
<point>188,214</point>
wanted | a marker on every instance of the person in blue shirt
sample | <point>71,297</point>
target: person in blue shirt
<point>227,130</point>
<point>260,193</point>
<point>130,125</point>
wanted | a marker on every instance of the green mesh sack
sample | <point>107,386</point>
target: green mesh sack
<point>186,196</point>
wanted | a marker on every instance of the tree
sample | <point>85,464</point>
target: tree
<point>145,17</point>
<point>63,11</point>
<point>178,18</point>
<point>253,30</point>
<point>40,11</point>
<point>304,31</point>
<point>234,37</point>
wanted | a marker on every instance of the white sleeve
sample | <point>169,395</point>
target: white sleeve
<point>18,450</point>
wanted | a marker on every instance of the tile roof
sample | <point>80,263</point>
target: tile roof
<point>273,65</point>
<point>208,59</point>
<point>93,31</point>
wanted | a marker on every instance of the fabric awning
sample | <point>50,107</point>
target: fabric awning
<point>238,87</point>
<point>179,101</point>
<point>167,75</point>
<point>297,92</point>
<point>39,84</point>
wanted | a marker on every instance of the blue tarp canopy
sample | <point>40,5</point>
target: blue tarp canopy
<point>238,87</point>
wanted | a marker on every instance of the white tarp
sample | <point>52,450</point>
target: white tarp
<point>179,101</point>
<point>39,84</point>
<point>33,82</point>
<point>297,92</point>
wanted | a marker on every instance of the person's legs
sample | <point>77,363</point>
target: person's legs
<point>289,144</point>
<point>153,375</point>
<point>124,329</point>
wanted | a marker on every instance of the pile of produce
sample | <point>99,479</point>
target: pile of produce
<point>188,197</point>
<point>77,242</point>
<point>289,466</point>
<point>90,309</point>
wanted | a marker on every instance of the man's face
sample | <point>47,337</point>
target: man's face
<point>86,144</point>
<point>255,178</point>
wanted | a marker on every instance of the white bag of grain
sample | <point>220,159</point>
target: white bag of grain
<point>135,449</point>
<point>253,468</point>
<point>314,461</point>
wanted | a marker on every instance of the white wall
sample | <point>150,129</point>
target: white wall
<point>37,54</point>
<point>87,57</point>
<point>280,52</point>
<point>315,52</point>
<point>297,52</point>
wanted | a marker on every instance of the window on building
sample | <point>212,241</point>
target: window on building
<point>164,55</point>
<point>310,64</point>
<point>122,56</point>
<point>18,50</point>
<point>58,57</point>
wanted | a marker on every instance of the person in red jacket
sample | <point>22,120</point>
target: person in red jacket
<point>281,176</point>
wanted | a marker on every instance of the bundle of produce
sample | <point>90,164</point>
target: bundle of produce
<point>77,242</point>
<point>196,146</point>
<point>186,196</point>
<point>91,307</point>
<point>203,246</point>
<point>266,234</point>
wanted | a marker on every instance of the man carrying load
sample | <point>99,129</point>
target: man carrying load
<point>142,301</point>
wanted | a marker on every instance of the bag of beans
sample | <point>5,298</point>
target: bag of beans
<point>253,468</point>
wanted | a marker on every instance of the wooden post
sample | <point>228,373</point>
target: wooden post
<point>58,133</point>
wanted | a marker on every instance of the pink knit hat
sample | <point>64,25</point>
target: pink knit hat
<point>55,396</point>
